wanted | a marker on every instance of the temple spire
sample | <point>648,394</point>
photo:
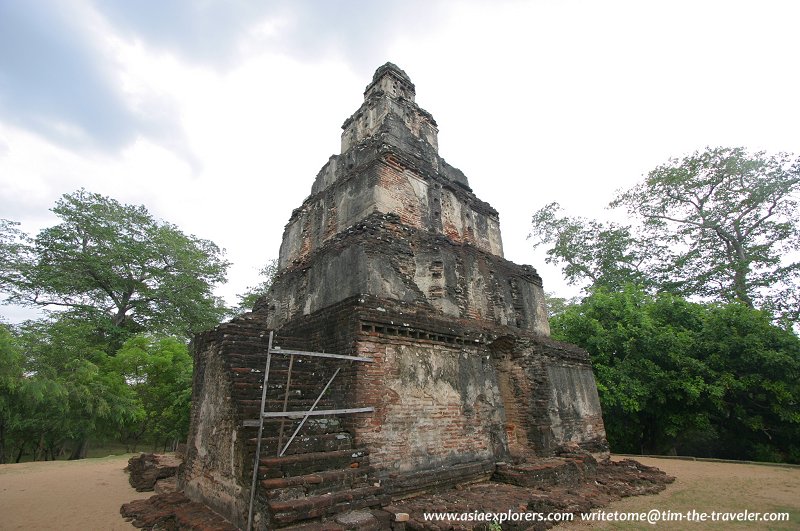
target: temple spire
<point>389,109</point>
<point>391,80</point>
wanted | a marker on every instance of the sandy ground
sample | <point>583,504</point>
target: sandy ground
<point>87,495</point>
<point>705,487</point>
<point>69,495</point>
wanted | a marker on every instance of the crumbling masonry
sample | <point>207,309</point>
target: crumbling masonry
<point>392,258</point>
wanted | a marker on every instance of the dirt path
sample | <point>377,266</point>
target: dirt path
<point>70,495</point>
<point>87,494</point>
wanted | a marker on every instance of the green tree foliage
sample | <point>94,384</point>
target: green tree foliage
<point>605,254</point>
<point>59,389</point>
<point>115,261</point>
<point>557,305</point>
<point>649,384</point>
<point>10,383</point>
<point>756,371</point>
<point>248,299</point>
<point>720,225</point>
<point>14,245</point>
<point>101,367</point>
<point>730,218</point>
<point>676,376</point>
<point>159,371</point>
<point>69,392</point>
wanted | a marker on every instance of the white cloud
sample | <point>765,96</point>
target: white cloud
<point>536,102</point>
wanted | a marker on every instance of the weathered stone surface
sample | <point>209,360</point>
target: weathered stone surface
<point>549,396</point>
<point>145,470</point>
<point>385,258</point>
<point>391,93</point>
<point>448,249</point>
<point>216,454</point>
<point>357,520</point>
<point>548,472</point>
<point>173,511</point>
<point>166,485</point>
<point>392,257</point>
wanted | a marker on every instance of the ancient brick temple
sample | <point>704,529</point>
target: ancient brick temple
<point>391,258</point>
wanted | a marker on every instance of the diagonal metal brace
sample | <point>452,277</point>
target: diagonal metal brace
<point>308,413</point>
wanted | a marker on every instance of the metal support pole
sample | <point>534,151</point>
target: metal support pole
<point>260,431</point>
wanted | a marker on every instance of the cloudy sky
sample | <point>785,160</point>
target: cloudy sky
<point>217,115</point>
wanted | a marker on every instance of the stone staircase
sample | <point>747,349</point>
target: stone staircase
<point>322,473</point>
<point>314,485</point>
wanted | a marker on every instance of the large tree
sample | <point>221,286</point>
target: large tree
<point>731,219</point>
<point>116,261</point>
<point>721,224</point>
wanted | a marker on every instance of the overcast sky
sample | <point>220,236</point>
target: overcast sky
<point>217,115</point>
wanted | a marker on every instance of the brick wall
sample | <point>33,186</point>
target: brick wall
<point>216,462</point>
<point>549,395</point>
<point>434,203</point>
<point>435,404</point>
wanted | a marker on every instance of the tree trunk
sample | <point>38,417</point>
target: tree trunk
<point>741,268</point>
<point>19,454</point>
<point>2,443</point>
<point>40,453</point>
<point>740,288</point>
<point>79,451</point>
<point>649,440</point>
<point>53,448</point>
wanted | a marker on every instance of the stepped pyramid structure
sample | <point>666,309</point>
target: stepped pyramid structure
<point>392,259</point>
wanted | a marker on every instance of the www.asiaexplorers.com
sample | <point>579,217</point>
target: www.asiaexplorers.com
<point>653,516</point>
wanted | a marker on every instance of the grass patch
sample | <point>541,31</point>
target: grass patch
<point>714,487</point>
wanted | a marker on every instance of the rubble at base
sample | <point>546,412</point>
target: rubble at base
<point>611,481</point>
<point>173,512</point>
<point>572,484</point>
<point>148,470</point>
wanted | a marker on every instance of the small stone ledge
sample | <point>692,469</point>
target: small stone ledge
<point>544,473</point>
<point>404,485</point>
<point>145,470</point>
<point>173,511</point>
